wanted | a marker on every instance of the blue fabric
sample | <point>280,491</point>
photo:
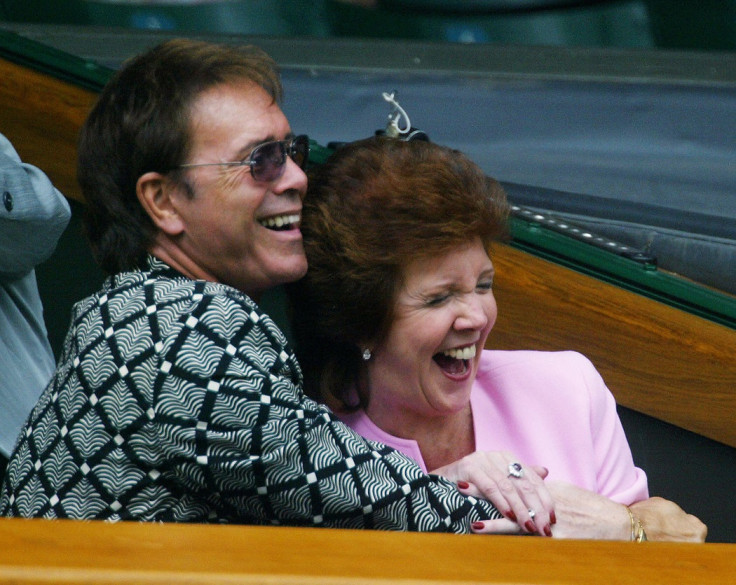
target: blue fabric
<point>33,214</point>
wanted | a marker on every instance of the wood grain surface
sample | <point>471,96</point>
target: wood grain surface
<point>42,116</point>
<point>656,359</point>
<point>92,552</point>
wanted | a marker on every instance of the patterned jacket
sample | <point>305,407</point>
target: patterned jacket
<point>179,400</point>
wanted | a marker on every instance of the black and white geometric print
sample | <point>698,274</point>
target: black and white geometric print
<point>179,400</point>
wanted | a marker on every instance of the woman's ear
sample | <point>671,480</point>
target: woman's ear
<point>156,193</point>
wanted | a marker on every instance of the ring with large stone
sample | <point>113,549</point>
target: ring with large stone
<point>515,470</point>
<point>532,513</point>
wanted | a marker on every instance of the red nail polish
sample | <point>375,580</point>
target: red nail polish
<point>511,516</point>
<point>478,525</point>
<point>548,530</point>
<point>553,518</point>
<point>463,485</point>
<point>530,527</point>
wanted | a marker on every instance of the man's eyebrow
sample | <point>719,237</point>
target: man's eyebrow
<point>248,148</point>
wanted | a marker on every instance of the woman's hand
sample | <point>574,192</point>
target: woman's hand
<point>580,514</point>
<point>518,492</point>
<point>586,515</point>
<point>665,520</point>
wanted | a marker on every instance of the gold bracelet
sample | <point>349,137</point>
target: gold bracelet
<point>637,528</point>
<point>641,536</point>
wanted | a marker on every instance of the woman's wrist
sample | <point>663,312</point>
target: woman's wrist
<point>637,528</point>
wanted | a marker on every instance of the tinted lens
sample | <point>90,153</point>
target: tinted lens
<point>267,161</point>
<point>299,150</point>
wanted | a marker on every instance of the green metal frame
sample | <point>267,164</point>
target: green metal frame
<point>642,278</point>
<point>45,59</point>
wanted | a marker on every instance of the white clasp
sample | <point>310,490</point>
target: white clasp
<point>392,128</point>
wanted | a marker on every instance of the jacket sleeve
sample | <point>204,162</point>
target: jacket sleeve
<point>618,478</point>
<point>33,213</point>
<point>250,441</point>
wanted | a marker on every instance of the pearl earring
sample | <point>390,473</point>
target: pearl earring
<point>366,354</point>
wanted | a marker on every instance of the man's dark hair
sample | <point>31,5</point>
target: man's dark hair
<point>142,123</point>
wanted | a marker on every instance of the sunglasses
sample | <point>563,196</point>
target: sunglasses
<point>268,160</point>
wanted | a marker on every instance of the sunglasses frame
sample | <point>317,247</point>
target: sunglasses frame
<point>288,148</point>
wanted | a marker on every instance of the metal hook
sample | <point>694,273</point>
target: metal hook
<point>392,128</point>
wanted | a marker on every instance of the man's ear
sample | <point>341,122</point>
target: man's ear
<point>157,194</point>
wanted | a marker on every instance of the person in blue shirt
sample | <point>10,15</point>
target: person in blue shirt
<point>33,215</point>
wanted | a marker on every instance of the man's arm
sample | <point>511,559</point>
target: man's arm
<point>33,213</point>
<point>264,453</point>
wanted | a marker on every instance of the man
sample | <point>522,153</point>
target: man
<point>176,398</point>
<point>33,215</point>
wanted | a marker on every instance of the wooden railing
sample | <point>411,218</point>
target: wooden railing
<point>656,359</point>
<point>41,116</point>
<point>97,553</point>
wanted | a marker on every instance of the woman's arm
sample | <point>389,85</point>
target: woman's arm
<point>665,520</point>
<point>617,477</point>
<point>587,515</point>
<point>583,514</point>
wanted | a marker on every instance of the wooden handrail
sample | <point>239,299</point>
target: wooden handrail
<point>656,359</point>
<point>99,553</point>
<point>41,116</point>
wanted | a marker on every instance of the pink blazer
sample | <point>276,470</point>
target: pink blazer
<point>547,408</point>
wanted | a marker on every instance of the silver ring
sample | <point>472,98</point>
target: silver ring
<point>515,470</point>
<point>532,513</point>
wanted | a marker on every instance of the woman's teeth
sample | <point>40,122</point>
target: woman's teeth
<point>280,221</point>
<point>463,353</point>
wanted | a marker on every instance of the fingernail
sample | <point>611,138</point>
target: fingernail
<point>511,516</point>
<point>530,527</point>
<point>463,485</point>
<point>553,518</point>
<point>478,525</point>
<point>548,530</point>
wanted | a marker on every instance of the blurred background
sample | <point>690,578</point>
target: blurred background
<point>672,24</point>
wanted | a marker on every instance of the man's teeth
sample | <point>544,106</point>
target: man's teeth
<point>464,353</point>
<point>280,221</point>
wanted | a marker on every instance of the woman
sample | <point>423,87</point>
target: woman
<point>404,230</point>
